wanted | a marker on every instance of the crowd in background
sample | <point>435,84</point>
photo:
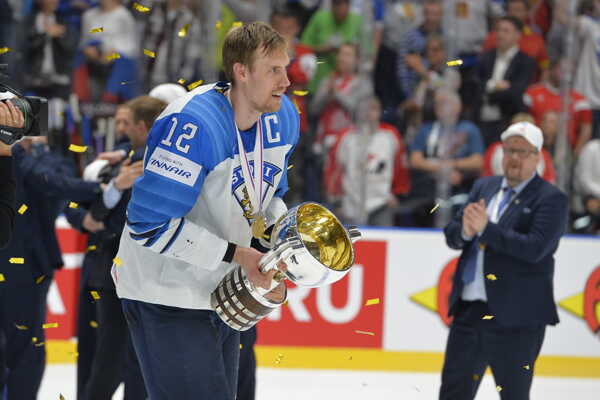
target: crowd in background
<point>398,99</point>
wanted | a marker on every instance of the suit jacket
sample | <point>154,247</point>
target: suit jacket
<point>519,251</point>
<point>44,184</point>
<point>520,73</point>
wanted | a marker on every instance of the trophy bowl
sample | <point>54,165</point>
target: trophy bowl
<point>316,249</point>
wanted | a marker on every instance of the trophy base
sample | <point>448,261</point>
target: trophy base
<point>239,304</point>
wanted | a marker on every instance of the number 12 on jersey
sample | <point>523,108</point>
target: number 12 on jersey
<point>189,131</point>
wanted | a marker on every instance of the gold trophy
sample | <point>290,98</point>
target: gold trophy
<point>316,249</point>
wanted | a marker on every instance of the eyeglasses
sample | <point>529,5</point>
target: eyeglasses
<point>521,153</point>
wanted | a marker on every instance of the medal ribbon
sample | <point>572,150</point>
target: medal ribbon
<point>254,183</point>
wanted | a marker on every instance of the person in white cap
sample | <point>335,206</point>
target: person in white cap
<point>502,295</point>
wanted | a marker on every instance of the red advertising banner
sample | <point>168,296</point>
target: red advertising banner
<point>335,315</point>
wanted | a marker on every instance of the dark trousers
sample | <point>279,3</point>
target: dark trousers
<point>86,339</point>
<point>474,344</point>
<point>246,389</point>
<point>184,354</point>
<point>114,359</point>
<point>22,349</point>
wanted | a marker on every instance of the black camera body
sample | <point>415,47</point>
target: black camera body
<point>34,109</point>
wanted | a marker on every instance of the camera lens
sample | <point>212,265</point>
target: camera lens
<point>25,108</point>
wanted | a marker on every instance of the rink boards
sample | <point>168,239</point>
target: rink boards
<point>405,277</point>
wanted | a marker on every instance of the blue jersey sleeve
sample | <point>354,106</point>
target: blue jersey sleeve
<point>179,155</point>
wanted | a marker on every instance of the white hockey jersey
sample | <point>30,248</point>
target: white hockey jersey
<point>190,201</point>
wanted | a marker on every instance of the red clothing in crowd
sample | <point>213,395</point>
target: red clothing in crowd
<point>541,98</point>
<point>531,44</point>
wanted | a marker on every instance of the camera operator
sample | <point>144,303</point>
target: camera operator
<point>45,182</point>
<point>9,116</point>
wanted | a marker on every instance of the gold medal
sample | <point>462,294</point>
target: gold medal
<point>259,225</point>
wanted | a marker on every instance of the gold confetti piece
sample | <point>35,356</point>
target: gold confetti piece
<point>491,277</point>
<point>181,81</point>
<point>95,295</point>
<point>113,56</point>
<point>4,50</point>
<point>21,327</point>
<point>365,333</point>
<point>475,377</point>
<point>218,25</point>
<point>149,53</point>
<point>183,31</point>
<point>297,108</point>
<point>40,344</point>
<point>434,208</point>
<point>117,261</point>
<point>50,325</point>
<point>33,339</point>
<point>454,63</point>
<point>141,8</point>
<point>350,358</point>
<point>131,153</point>
<point>77,149</point>
<point>97,30</point>
<point>2,278</point>
<point>290,167</point>
<point>320,62</point>
<point>91,248</point>
<point>301,92</point>
<point>22,209</point>
<point>40,279</point>
<point>488,317</point>
<point>498,388</point>
<point>241,345</point>
<point>526,367</point>
<point>93,324</point>
<point>372,302</point>
<point>16,260</point>
<point>72,204</point>
<point>61,397</point>
<point>236,24</point>
<point>194,85</point>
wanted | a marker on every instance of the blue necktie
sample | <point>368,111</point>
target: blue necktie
<point>468,275</point>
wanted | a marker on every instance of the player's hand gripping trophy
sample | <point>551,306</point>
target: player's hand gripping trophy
<point>316,250</point>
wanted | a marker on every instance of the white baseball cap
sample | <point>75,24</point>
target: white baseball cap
<point>167,92</point>
<point>528,131</point>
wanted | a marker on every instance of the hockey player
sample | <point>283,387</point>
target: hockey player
<point>215,171</point>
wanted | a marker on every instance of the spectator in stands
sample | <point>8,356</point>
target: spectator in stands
<point>546,96</point>
<point>174,34</point>
<point>531,43</point>
<point>109,49</point>
<point>374,169</point>
<point>400,16</point>
<point>587,182</point>
<point>326,32</point>
<point>412,49</point>
<point>48,49</point>
<point>71,11</point>
<point>449,147</point>
<point>587,75</point>
<point>492,160</point>
<point>503,75</point>
<point>433,73</point>
<point>334,103</point>
<point>466,24</point>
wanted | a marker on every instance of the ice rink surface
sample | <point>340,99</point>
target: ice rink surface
<point>296,384</point>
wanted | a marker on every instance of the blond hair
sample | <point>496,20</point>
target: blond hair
<point>241,42</point>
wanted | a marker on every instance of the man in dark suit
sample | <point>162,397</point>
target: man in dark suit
<point>502,296</point>
<point>503,75</point>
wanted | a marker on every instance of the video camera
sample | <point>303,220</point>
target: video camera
<point>34,109</point>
